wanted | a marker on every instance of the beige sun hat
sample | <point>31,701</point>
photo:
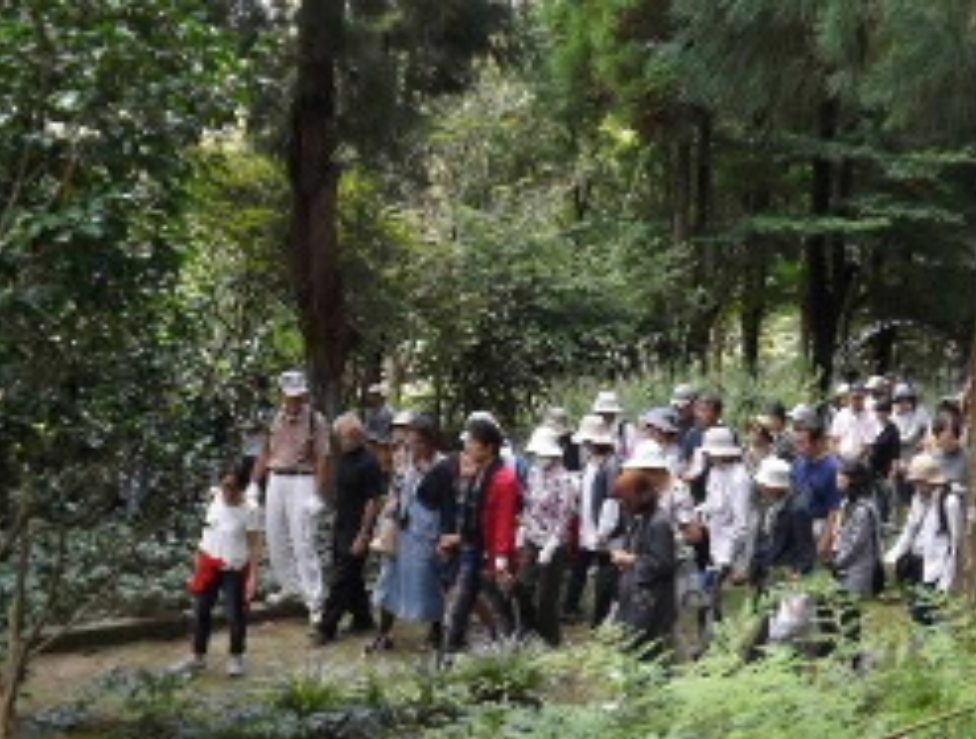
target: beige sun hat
<point>607,402</point>
<point>926,468</point>
<point>720,442</point>
<point>402,419</point>
<point>774,473</point>
<point>558,420</point>
<point>648,457</point>
<point>544,443</point>
<point>595,430</point>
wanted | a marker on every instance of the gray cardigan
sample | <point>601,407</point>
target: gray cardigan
<point>858,548</point>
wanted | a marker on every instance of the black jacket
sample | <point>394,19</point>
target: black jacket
<point>789,544</point>
<point>646,591</point>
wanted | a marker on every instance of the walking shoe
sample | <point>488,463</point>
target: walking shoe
<point>235,666</point>
<point>279,598</point>
<point>382,643</point>
<point>190,666</point>
<point>315,617</point>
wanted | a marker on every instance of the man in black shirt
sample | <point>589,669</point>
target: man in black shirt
<point>885,451</point>
<point>359,487</point>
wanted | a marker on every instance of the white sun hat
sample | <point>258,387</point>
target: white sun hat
<point>875,382</point>
<point>402,419</point>
<point>774,473</point>
<point>293,383</point>
<point>544,443</point>
<point>720,442</point>
<point>558,420</point>
<point>594,430</point>
<point>607,402</point>
<point>648,457</point>
<point>378,388</point>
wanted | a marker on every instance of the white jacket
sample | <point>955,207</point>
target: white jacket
<point>922,536</point>
<point>728,512</point>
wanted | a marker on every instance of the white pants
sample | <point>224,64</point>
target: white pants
<point>293,509</point>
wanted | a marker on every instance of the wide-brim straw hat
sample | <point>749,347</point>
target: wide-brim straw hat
<point>720,442</point>
<point>648,457</point>
<point>774,473</point>
<point>544,443</point>
<point>607,402</point>
<point>595,430</point>
<point>926,468</point>
<point>558,420</point>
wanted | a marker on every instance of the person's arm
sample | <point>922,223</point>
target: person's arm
<point>374,488</point>
<point>858,537</point>
<point>904,543</point>
<point>956,525</point>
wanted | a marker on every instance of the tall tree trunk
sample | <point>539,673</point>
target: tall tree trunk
<point>314,173</point>
<point>17,646</point>
<point>819,311</point>
<point>755,271</point>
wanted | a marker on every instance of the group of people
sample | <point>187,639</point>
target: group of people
<point>657,517</point>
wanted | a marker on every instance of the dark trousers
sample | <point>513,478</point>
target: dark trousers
<point>465,583</point>
<point>605,585</point>
<point>347,593</point>
<point>232,584</point>
<point>538,593</point>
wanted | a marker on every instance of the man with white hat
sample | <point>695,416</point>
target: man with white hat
<point>708,415</point>
<point>295,459</point>
<point>608,407</point>
<point>855,428</point>
<point>728,507</point>
<point>683,399</point>
<point>596,505</point>
<point>550,504</point>
<point>785,541</point>
<point>378,416</point>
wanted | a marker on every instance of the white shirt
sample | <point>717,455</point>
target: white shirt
<point>728,512</point>
<point>921,536</point>
<point>589,528</point>
<point>225,531</point>
<point>854,432</point>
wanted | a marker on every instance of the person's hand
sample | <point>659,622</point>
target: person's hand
<point>251,584</point>
<point>361,546</point>
<point>448,543</point>
<point>252,495</point>
<point>504,580</point>
<point>547,553</point>
<point>623,560</point>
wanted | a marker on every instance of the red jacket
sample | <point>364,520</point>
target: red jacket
<point>499,523</point>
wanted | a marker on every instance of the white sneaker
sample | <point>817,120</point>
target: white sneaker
<point>235,666</point>
<point>190,666</point>
<point>315,617</point>
<point>279,598</point>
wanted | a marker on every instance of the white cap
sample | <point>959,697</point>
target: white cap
<point>480,416</point>
<point>293,383</point>
<point>648,457</point>
<point>607,402</point>
<point>683,395</point>
<point>594,430</point>
<point>378,388</point>
<point>774,473</point>
<point>720,442</point>
<point>544,443</point>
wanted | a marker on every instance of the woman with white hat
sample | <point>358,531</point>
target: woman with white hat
<point>596,494</point>
<point>728,509</point>
<point>550,504</point>
<point>928,551</point>
<point>608,407</point>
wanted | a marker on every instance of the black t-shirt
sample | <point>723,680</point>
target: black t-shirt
<point>886,449</point>
<point>359,480</point>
